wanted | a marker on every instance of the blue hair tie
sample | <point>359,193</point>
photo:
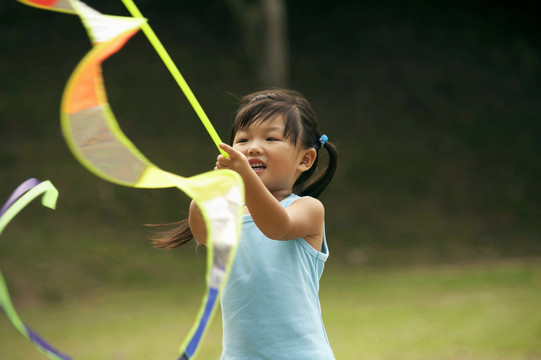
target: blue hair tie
<point>323,140</point>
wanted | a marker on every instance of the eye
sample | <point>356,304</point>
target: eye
<point>272,139</point>
<point>241,140</point>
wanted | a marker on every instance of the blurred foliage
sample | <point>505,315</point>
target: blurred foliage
<point>434,107</point>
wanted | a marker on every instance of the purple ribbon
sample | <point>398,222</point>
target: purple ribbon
<point>36,339</point>
<point>21,189</point>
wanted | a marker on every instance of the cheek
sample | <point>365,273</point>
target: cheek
<point>285,162</point>
<point>238,147</point>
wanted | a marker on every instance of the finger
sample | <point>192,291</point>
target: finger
<point>228,149</point>
<point>222,160</point>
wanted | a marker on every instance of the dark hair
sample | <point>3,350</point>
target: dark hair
<point>300,127</point>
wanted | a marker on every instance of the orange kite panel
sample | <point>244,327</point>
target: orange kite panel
<point>48,3</point>
<point>87,89</point>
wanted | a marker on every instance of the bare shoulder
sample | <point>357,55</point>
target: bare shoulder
<point>310,204</point>
<point>307,216</point>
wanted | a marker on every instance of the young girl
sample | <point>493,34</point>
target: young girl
<point>270,305</point>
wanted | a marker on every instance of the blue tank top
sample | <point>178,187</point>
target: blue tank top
<point>270,305</point>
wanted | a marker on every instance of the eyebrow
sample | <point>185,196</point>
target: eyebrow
<point>271,128</point>
<point>274,128</point>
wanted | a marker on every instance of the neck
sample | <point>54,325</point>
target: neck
<point>281,194</point>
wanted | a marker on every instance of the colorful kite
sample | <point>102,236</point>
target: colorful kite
<point>97,141</point>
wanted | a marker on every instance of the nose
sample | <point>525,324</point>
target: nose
<point>255,148</point>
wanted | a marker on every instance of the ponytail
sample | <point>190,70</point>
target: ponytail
<point>316,186</point>
<point>179,233</point>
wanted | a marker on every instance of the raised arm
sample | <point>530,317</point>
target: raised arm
<point>304,218</point>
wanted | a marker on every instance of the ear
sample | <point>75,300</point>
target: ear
<point>307,158</point>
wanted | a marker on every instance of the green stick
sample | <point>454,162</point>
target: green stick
<point>132,8</point>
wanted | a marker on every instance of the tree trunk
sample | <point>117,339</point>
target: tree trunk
<point>263,27</point>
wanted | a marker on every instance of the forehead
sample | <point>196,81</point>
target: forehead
<point>275,123</point>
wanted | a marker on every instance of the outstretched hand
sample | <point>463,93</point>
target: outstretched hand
<point>236,161</point>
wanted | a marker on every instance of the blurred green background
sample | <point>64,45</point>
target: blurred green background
<point>434,107</point>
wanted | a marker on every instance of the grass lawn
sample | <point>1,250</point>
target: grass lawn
<point>481,312</point>
<point>476,312</point>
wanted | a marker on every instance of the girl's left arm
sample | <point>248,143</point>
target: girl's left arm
<point>303,218</point>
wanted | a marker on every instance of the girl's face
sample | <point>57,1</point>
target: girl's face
<point>276,161</point>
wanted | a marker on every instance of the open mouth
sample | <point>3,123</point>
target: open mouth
<point>257,165</point>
